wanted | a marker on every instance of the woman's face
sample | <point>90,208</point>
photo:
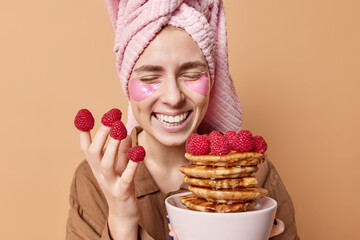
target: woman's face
<point>169,87</point>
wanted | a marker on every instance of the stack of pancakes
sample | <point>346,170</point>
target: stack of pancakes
<point>222,183</point>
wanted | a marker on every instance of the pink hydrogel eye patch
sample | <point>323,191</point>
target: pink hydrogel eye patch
<point>139,90</point>
<point>200,86</point>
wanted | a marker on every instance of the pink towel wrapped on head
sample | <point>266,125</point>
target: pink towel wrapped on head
<point>136,23</point>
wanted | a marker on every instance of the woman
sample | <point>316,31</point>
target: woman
<point>172,62</point>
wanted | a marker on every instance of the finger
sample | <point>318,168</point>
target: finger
<point>85,141</point>
<point>99,141</point>
<point>168,220</point>
<point>278,227</point>
<point>108,160</point>
<point>172,235</point>
<point>122,161</point>
<point>128,175</point>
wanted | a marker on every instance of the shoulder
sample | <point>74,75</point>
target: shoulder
<point>83,177</point>
<point>82,170</point>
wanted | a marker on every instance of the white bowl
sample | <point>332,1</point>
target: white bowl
<point>193,225</point>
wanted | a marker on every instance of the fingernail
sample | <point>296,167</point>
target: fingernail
<point>275,221</point>
<point>167,218</point>
<point>171,237</point>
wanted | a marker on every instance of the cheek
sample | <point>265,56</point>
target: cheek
<point>199,102</point>
<point>139,91</point>
<point>200,86</point>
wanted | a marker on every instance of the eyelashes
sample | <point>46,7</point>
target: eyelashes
<point>149,79</point>
<point>186,77</point>
<point>191,77</point>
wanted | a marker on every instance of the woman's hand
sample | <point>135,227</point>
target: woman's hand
<point>278,228</point>
<point>115,174</point>
<point>172,234</point>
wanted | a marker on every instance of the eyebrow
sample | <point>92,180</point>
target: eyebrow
<point>191,65</point>
<point>184,66</point>
<point>149,68</point>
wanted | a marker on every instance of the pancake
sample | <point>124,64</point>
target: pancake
<point>222,183</point>
<point>199,204</point>
<point>217,172</point>
<point>232,159</point>
<point>228,195</point>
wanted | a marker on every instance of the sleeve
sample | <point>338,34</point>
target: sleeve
<point>88,212</point>
<point>285,211</point>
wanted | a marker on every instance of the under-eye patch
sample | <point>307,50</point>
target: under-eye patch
<point>139,91</point>
<point>201,85</point>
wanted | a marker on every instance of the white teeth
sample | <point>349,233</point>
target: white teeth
<point>172,120</point>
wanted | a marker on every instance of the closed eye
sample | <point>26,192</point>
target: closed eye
<point>190,76</point>
<point>149,79</point>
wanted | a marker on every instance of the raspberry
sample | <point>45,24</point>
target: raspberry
<point>118,130</point>
<point>260,144</point>
<point>84,120</point>
<point>207,136</point>
<point>200,145</point>
<point>214,134</point>
<point>189,140</point>
<point>136,154</point>
<point>219,145</point>
<point>243,141</point>
<point>229,136</point>
<point>111,116</point>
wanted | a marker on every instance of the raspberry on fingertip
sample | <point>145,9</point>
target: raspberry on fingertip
<point>84,120</point>
<point>118,130</point>
<point>109,118</point>
<point>136,154</point>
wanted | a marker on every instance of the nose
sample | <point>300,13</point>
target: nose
<point>171,93</point>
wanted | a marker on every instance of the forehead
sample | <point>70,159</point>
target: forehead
<point>171,47</point>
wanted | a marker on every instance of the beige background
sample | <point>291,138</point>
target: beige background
<point>296,69</point>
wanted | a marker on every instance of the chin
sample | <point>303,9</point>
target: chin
<point>172,139</point>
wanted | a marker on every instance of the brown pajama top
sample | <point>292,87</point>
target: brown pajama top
<point>89,211</point>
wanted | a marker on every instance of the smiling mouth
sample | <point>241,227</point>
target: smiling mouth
<point>172,121</point>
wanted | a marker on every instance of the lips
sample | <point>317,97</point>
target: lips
<point>172,120</point>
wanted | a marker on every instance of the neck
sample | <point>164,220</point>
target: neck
<point>163,162</point>
<point>160,154</point>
